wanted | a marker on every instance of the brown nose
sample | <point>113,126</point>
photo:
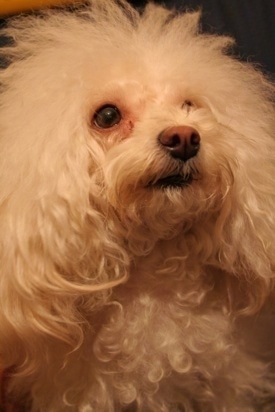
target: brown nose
<point>182,142</point>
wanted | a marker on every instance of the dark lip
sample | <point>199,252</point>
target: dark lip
<point>173,181</point>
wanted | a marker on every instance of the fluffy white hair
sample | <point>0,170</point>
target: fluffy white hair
<point>116,293</point>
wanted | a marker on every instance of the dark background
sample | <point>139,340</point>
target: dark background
<point>250,22</point>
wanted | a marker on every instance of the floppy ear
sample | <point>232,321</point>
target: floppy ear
<point>248,224</point>
<point>56,250</point>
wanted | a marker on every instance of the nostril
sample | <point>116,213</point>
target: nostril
<point>195,139</point>
<point>169,139</point>
<point>173,141</point>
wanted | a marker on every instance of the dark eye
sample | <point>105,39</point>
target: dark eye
<point>187,105</point>
<point>107,116</point>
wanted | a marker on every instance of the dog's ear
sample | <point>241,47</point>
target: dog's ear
<point>55,248</point>
<point>56,251</point>
<point>247,225</point>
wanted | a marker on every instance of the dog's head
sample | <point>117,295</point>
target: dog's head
<point>119,129</point>
<point>139,111</point>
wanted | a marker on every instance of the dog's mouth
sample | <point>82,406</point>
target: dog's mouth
<point>172,181</point>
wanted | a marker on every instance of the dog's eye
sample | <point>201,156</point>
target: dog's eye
<point>107,116</point>
<point>187,104</point>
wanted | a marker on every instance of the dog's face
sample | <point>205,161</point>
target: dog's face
<point>145,125</point>
<point>165,160</point>
<point>142,122</point>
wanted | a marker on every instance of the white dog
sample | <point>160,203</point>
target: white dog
<point>137,215</point>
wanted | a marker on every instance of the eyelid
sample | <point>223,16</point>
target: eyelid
<point>187,103</point>
<point>190,105</point>
<point>104,106</point>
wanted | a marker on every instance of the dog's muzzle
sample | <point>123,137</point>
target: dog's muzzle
<point>181,143</point>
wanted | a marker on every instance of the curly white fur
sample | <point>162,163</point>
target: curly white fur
<point>115,294</point>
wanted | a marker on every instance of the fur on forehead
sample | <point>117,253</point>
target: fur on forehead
<point>74,48</point>
<point>111,23</point>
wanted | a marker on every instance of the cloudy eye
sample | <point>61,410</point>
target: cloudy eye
<point>107,116</point>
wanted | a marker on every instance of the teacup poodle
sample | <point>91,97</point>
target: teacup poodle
<point>137,216</point>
